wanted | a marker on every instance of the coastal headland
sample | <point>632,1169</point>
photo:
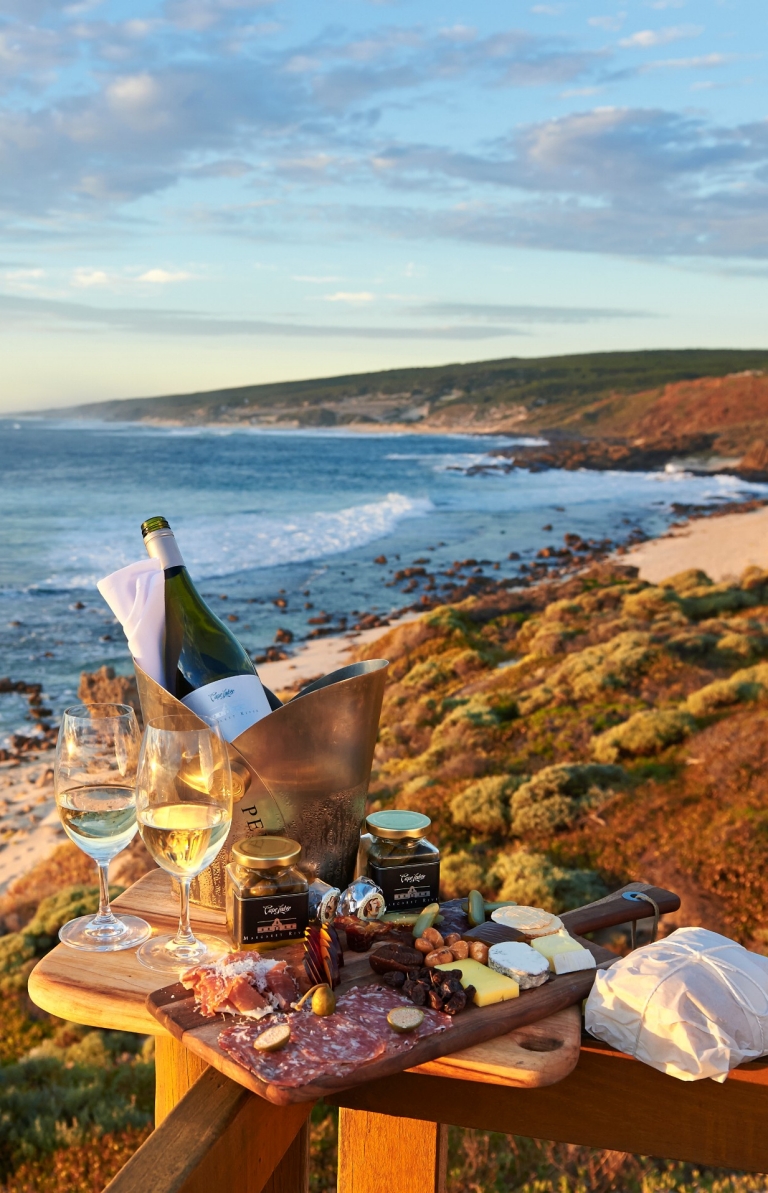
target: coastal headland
<point>613,410</point>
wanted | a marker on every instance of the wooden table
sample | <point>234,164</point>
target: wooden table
<point>211,1133</point>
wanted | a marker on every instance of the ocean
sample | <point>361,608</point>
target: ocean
<point>262,515</point>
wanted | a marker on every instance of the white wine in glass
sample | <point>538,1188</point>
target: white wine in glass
<point>95,776</point>
<point>184,810</point>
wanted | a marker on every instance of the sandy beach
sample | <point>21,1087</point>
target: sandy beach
<point>29,825</point>
<point>721,546</point>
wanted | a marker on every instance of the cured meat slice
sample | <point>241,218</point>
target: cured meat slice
<point>370,1006</point>
<point>356,1034</point>
<point>242,983</point>
<point>318,1045</point>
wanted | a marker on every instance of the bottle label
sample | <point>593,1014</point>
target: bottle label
<point>408,886</point>
<point>233,704</point>
<point>263,919</point>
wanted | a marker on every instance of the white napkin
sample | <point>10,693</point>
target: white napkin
<point>136,596</point>
<point>693,1005</point>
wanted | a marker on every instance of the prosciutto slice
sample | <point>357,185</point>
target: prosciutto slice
<point>242,984</point>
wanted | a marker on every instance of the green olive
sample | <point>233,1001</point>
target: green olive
<point>476,906</point>
<point>425,920</point>
<point>323,1001</point>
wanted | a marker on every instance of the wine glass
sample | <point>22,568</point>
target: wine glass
<point>184,810</point>
<point>95,784</point>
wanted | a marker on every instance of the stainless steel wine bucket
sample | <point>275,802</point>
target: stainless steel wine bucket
<point>302,771</point>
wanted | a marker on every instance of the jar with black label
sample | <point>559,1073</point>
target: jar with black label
<point>400,859</point>
<point>267,896</point>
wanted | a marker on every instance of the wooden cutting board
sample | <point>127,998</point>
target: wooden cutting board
<point>174,1007</point>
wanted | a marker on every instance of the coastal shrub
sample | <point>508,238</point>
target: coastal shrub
<point>587,673</point>
<point>82,1168</point>
<point>449,620</point>
<point>751,683</point>
<point>558,795</point>
<point>683,582</point>
<point>643,734</point>
<point>691,643</point>
<point>460,872</point>
<point>20,950</point>
<point>46,1102</point>
<point>533,879</point>
<point>743,645</point>
<point>426,675</point>
<point>650,603</point>
<point>483,806</point>
<point>712,602</point>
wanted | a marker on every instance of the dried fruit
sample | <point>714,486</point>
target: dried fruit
<point>273,1038</point>
<point>394,978</point>
<point>394,957</point>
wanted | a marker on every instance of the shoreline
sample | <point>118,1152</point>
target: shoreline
<point>721,543</point>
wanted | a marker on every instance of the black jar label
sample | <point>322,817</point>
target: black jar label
<point>408,886</point>
<point>269,918</point>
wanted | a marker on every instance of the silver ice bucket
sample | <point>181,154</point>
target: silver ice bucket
<point>303,771</point>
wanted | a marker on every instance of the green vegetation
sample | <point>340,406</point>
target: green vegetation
<point>553,390</point>
<point>74,1102</point>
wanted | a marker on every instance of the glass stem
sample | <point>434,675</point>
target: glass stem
<point>185,935</point>
<point>105,917</point>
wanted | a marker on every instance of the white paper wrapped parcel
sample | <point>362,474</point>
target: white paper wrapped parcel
<point>693,1005</point>
<point>136,596</point>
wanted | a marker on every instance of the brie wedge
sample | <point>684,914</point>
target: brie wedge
<point>519,962</point>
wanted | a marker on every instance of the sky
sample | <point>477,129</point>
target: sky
<point>205,193</point>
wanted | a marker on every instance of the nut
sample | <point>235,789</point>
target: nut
<point>460,950</point>
<point>434,937</point>
<point>479,952</point>
<point>451,939</point>
<point>423,945</point>
<point>438,957</point>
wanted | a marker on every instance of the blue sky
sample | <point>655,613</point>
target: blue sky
<point>196,193</point>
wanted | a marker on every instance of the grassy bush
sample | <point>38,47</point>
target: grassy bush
<point>558,795</point>
<point>751,683</point>
<point>533,879</point>
<point>85,1167</point>
<point>461,872</point>
<point>643,734</point>
<point>483,806</point>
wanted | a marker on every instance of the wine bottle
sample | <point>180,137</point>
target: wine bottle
<point>205,665</point>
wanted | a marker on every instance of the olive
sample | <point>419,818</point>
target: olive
<point>426,920</point>
<point>476,908</point>
<point>323,1001</point>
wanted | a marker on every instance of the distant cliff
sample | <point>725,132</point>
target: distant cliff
<point>617,394</point>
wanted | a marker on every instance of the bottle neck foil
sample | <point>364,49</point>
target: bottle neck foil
<point>162,545</point>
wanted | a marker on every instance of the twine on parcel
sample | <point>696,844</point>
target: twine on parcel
<point>693,1005</point>
<point>136,596</point>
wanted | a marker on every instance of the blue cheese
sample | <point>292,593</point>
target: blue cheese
<point>519,962</point>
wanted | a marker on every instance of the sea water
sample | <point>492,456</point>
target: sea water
<point>269,515</point>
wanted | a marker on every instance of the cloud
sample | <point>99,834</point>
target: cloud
<point>644,182</point>
<point>162,277</point>
<point>84,278</point>
<point>353,298</point>
<point>58,315</point>
<point>610,23</point>
<point>648,38</point>
<point>510,313</point>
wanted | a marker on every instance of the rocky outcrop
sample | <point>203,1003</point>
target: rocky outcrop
<point>104,687</point>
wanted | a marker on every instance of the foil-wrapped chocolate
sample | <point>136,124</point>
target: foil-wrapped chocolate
<point>364,899</point>
<point>323,901</point>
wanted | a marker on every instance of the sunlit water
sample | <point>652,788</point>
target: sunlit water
<point>257,512</point>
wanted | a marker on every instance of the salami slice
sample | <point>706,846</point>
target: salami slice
<point>356,1034</point>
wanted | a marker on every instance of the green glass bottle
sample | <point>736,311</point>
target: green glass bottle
<point>205,665</point>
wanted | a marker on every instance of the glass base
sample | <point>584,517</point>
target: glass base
<point>126,933</point>
<point>162,955</point>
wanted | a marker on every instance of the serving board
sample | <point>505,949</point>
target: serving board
<point>174,1007</point>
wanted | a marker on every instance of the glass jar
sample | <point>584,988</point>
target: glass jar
<point>400,859</point>
<point>267,896</point>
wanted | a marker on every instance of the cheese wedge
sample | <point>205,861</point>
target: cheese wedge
<point>490,986</point>
<point>555,945</point>
<point>519,962</point>
<point>571,962</point>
